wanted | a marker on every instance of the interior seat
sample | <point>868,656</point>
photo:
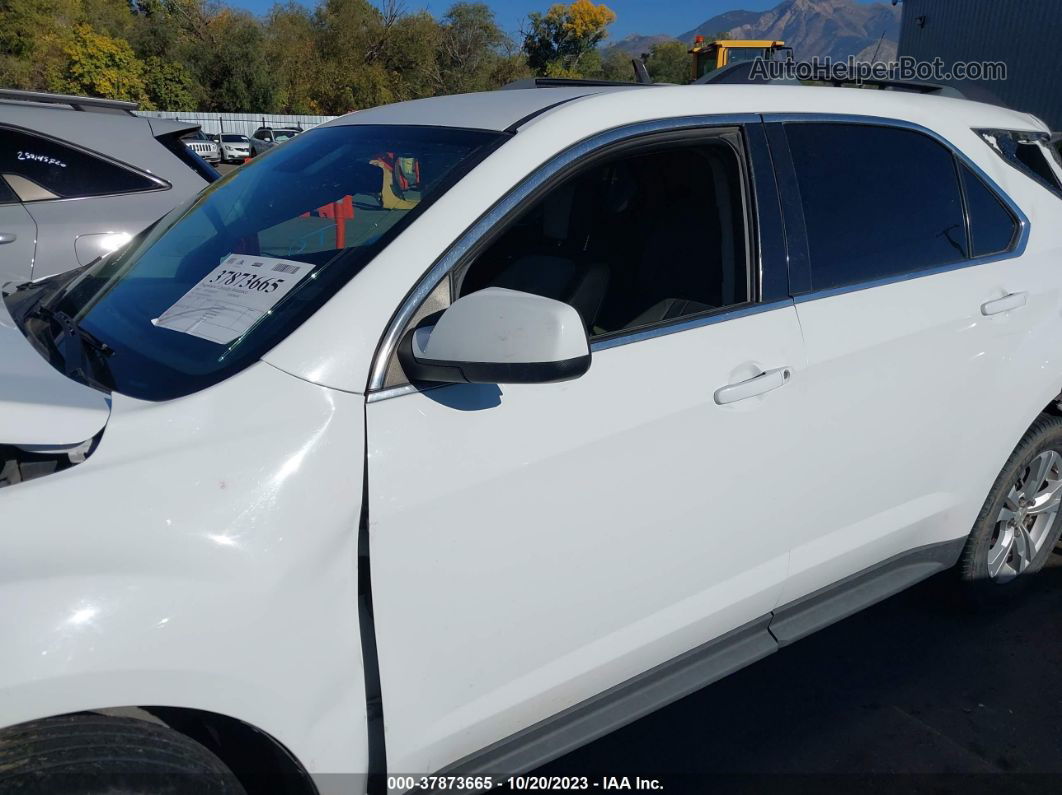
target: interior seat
<point>687,263</point>
<point>561,270</point>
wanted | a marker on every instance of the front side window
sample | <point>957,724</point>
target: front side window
<point>63,171</point>
<point>878,201</point>
<point>638,240</point>
<point>285,232</point>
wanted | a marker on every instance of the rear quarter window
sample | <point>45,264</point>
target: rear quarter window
<point>65,171</point>
<point>993,227</point>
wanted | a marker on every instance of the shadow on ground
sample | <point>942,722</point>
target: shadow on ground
<point>912,695</point>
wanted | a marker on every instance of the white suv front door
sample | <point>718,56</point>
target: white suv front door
<point>534,545</point>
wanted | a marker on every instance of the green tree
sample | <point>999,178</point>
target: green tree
<point>471,47</point>
<point>608,64</point>
<point>352,35</point>
<point>231,66</point>
<point>556,42</point>
<point>291,50</point>
<point>668,62</point>
<point>169,85</point>
<point>99,66</point>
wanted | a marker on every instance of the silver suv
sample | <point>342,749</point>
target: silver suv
<point>79,177</point>
<point>206,146</point>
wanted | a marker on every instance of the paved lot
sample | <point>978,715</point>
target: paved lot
<point>913,695</point>
<point>225,168</point>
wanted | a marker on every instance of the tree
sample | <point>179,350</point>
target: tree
<point>470,49</point>
<point>231,65</point>
<point>668,62</point>
<point>340,56</point>
<point>99,66</point>
<point>352,35</point>
<point>169,86</point>
<point>291,50</point>
<point>556,41</point>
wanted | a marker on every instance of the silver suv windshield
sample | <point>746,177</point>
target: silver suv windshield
<point>222,279</point>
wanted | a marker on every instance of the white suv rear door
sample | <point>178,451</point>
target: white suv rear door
<point>910,338</point>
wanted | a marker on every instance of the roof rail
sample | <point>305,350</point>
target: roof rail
<point>565,82</point>
<point>838,81</point>
<point>77,103</point>
<point>741,74</point>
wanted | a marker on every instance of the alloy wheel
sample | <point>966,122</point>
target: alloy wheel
<point>1026,518</point>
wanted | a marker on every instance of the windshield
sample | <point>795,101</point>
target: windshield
<point>284,135</point>
<point>226,276</point>
<point>234,139</point>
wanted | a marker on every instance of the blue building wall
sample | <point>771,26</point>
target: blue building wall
<point>1025,34</point>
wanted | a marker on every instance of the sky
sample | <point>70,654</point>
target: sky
<point>632,16</point>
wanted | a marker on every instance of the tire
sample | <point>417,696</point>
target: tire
<point>89,754</point>
<point>1021,520</point>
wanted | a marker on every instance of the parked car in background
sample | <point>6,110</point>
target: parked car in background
<point>459,432</point>
<point>234,148</point>
<point>266,137</point>
<point>123,171</point>
<point>206,146</point>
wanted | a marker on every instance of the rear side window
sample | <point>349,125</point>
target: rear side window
<point>64,171</point>
<point>878,201</point>
<point>992,226</point>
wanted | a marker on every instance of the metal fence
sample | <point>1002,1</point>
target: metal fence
<point>239,123</point>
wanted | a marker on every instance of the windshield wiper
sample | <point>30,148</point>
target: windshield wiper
<point>84,354</point>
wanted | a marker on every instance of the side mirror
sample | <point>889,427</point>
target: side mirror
<point>498,336</point>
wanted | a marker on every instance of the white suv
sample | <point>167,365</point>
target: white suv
<point>459,432</point>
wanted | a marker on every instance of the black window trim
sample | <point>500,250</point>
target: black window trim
<point>959,166</point>
<point>683,130</point>
<point>14,196</point>
<point>794,216</point>
<point>160,183</point>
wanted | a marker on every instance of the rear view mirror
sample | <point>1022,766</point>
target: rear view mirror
<point>498,336</point>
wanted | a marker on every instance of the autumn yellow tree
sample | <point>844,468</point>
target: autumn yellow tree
<point>97,65</point>
<point>556,42</point>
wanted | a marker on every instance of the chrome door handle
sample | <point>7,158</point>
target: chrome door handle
<point>1005,304</point>
<point>8,237</point>
<point>758,385</point>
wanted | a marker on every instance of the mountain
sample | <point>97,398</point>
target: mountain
<point>721,23</point>
<point>835,28</point>
<point>636,44</point>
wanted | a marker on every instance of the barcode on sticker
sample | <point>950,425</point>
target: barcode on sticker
<point>280,267</point>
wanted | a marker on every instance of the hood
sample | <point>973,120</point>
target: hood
<point>39,406</point>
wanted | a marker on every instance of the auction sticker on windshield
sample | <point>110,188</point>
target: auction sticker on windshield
<point>233,297</point>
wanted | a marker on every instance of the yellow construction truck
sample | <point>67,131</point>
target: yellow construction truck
<point>712,55</point>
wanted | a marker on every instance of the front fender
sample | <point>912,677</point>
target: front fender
<point>204,557</point>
